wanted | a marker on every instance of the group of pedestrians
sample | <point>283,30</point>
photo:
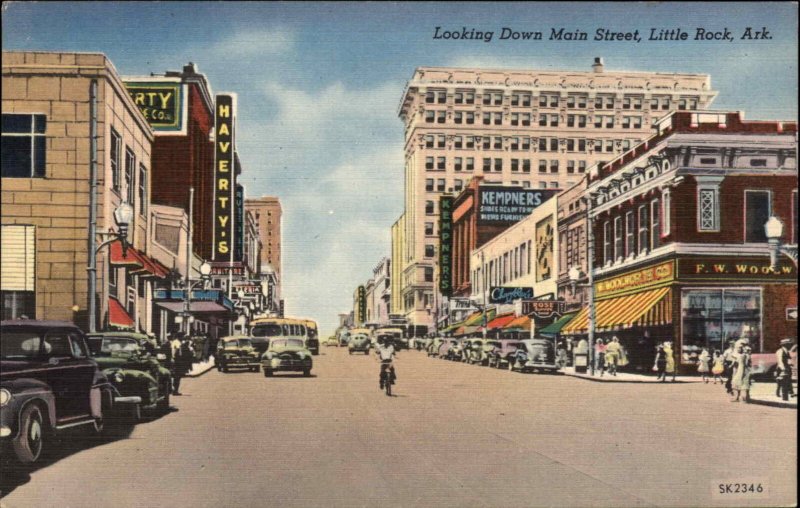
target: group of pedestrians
<point>609,356</point>
<point>180,355</point>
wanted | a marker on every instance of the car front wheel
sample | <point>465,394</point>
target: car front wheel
<point>29,443</point>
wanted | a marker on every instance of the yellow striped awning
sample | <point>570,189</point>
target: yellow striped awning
<point>648,308</point>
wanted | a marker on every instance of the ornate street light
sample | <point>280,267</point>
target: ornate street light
<point>123,216</point>
<point>774,231</point>
<point>205,276</point>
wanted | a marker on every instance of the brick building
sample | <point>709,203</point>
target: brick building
<point>681,253</point>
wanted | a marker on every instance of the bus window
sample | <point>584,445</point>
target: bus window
<point>266,330</point>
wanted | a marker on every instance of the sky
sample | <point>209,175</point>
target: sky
<point>319,85</point>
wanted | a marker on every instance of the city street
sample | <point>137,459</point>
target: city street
<point>454,435</point>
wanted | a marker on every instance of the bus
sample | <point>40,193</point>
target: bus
<point>262,329</point>
<point>312,342</point>
<point>398,335</point>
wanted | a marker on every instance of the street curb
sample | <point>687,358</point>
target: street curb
<point>774,403</point>
<point>634,381</point>
<point>210,367</point>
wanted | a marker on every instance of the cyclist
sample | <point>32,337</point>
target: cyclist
<point>385,354</point>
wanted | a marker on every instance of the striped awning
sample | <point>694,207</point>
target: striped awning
<point>520,323</point>
<point>476,319</point>
<point>648,308</point>
<point>465,330</point>
<point>500,321</point>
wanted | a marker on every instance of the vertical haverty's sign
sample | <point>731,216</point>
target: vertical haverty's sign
<point>445,245</point>
<point>224,177</point>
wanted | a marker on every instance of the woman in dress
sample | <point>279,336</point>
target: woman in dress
<point>719,366</point>
<point>670,368</point>
<point>741,373</point>
<point>704,364</point>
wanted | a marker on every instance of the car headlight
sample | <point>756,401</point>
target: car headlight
<point>5,396</point>
<point>119,377</point>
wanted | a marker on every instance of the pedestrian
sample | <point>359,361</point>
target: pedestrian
<point>783,370</point>
<point>741,373</point>
<point>599,356</point>
<point>660,365</point>
<point>704,364</point>
<point>183,356</point>
<point>612,355</point>
<point>670,367</point>
<point>718,367</point>
<point>727,365</point>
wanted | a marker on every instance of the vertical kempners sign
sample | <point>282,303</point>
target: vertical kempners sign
<point>362,305</point>
<point>445,245</point>
<point>224,178</point>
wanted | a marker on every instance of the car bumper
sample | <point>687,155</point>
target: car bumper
<point>130,399</point>
<point>288,365</point>
<point>240,362</point>
<point>540,365</point>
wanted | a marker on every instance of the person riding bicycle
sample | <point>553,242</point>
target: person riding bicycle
<point>385,354</point>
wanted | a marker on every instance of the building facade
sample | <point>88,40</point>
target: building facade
<point>681,253</point>
<point>268,212</point>
<point>533,129</point>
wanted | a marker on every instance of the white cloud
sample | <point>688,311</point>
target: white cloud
<point>254,42</point>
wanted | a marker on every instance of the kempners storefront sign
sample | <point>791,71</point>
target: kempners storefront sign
<point>640,279</point>
<point>224,184</point>
<point>509,204</point>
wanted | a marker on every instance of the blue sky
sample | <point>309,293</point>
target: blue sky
<point>319,85</point>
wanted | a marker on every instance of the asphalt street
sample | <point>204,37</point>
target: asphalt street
<point>454,435</point>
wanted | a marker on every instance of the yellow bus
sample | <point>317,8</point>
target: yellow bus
<point>263,329</point>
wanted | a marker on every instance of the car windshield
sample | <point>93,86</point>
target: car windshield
<point>231,344</point>
<point>19,345</point>
<point>107,345</point>
<point>286,343</point>
<point>267,330</point>
<point>245,343</point>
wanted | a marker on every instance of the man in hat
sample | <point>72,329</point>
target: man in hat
<point>727,364</point>
<point>783,371</point>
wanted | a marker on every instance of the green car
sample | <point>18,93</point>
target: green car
<point>130,363</point>
<point>236,351</point>
<point>286,355</point>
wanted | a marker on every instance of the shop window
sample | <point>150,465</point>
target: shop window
<point>711,317</point>
<point>23,146</point>
<point>18,265</point>
<point>757,212</point>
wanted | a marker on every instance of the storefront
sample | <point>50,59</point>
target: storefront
<point>695,302</point>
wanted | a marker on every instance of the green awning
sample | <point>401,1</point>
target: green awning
<point>451,328</point>
<point>477,318</point>
<point>556,327</point>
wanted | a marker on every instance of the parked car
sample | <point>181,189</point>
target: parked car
<point>136,373</point>
<point>456,351</point>
<point>48,382</point>
<point>482,355</point>
<point>359,342</point>
<point>236,351</point>
<point>473,350</point>
<point>500,354</point>
<point>286,355</point>
<point>765,365</point>
<point>534,354</point>
<point>432,348</point>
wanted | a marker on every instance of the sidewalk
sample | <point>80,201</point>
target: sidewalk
<point>764,394</point>
<point>198,369</point>
<point>627,377</point>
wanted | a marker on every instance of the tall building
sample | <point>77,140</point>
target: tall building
<point>267,212</point>
<point>529,128</point>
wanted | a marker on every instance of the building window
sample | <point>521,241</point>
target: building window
<point>470,142</point>
<point>554,166</point>
<point>498,143</point>
<point>498,118</point>
<point>515,165</point>
<point>469,98</point>
<point>429,184</point>
<point>458,185</point>
<point>526,143</point>
<point>644,229</point>
<point>470,118</point>
<point>498,164</point>
<point>429,250</point>
<point>18,268</point>
<point>526,165</point>
<point>428,162</point>
<point>487,164</point>
<point>708,209</point>
<point>757,211</point>
<point>430,97</point>
<point>429,141</point>
<point>619,251</point>
<point>142,190</point>
<point>458,142</point>
<point>570,166</point>
<point>459,98</point>
<point>441,116</point>
<point>440,141</point>
<point>542,166</point>
<point>24,146</point>
<point>542,144</point>
<point>607,243</point>
<point>526,119</point>
<point>515,143</point>
<point>130,163</point>
<point>441,162</point>
<point>430,209</point>
<point>630,226</point>
<point>457,117</point>
<point>470,163</point>
<point>458,164</point>
<point>542,121</point>
<point>655,233</point>
<point>553,120</point>
<point>428,274</point>
<point>666,204</point>
<point>581,166</point>
<point>487,119</point>
<point>711,316</point>
<point>429,116</point>
<point>553,144</point>
<point>440,184</point>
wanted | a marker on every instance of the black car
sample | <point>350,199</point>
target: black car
<point>48,382</point>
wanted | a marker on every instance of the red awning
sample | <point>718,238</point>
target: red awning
<point>520,323</point>
<point>140,264</point>
<point>500,321</point>
<point>117,315</point>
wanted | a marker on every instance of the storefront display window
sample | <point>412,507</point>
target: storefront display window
<point>710,317</point>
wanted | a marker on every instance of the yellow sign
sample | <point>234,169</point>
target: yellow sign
<point>640,279</point>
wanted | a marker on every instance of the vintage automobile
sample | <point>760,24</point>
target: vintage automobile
<point>473,350</point>
<point>765,365</point>
<point>433,348</point>
<point>452,350</point>
<point>482,355</point>
<point>286,355</point>
<point>499,356</point>
<point>534,354</point>
<point>332,341</point>
<point>130,363</point>
<point>48,382</point>
<point>237,352</point>
<point>359,342</point>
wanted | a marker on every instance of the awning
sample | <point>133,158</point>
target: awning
<point>648,308</point>
<point>465,330</point>
<point>451,328</point>
<point>139,263</point>
<point>500,321</point>
<point>476,319</point>
<point>520,323</point>
<point>117,315</point>
<point>555,327</point>
<point>194,306</point>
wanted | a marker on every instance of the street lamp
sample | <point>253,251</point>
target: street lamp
<point>123,216</point>
<point>205,276</point>
<point>575,276</point>
<point>774,231</point>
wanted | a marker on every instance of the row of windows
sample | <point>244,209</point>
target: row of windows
<point>636,233</point>
<point>517,143</point>
<point>130,175</point>
<point>505,268</point>
<point>580,101</point>
<point>525,119</point>
<point>757,210</point>
<point>489,164</point>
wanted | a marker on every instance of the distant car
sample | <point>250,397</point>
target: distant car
<point>500,354</point>
<point>237,351</point>
<point>474,351</point>
<point>130,363</point>
<point>48,382</point>
<point>765,365</point>
<point>332,341</point>
<point>534,354</point>
<point>286,355</point>
<point>359,343</point>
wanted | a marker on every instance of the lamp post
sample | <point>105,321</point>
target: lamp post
<point>205,276</point>
<point>123,215</point>
<point>484,288</point>
<point>774,231</point>
<point>575,276</point>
